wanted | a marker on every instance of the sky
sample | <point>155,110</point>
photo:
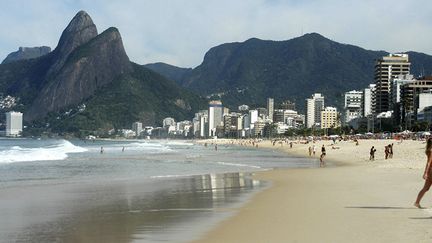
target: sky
<point>180,32</point>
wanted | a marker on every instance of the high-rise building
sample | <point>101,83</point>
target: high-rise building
<point>200,123</point>
<point>386,68</point>
<point>395,96</point>
<point>14,124</point>
<point>410,93</point>
<point>368,97</point>
<point>353,103</point>
<point>329,118</point>
<point>137,128</point>
<point>397,82</point>
<point>314,106</point>
<point>270,108</point>
<point>215,116</point>
<point>283,116</point>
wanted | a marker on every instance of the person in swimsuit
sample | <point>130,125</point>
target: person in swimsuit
<point>323,154</point>
<point>372,153</point>
<point>427,175</point>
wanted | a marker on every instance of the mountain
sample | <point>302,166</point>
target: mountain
<point>24,53</point>
<point>250,71</point>
<point>169,71</point>
<point>88,82</point>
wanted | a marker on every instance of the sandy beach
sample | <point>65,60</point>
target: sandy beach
<point>352,199</point>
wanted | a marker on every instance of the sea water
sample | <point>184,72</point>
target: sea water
<point>135,190</point>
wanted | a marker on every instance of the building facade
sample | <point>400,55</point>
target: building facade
<point>314,106</point>
<point>14,124</point>
<point>387,68</point>
<point>410,93</point>
<point>169,121</point>
<point>137,127</point>
<point>329,118</point>
<point>368,97</point>
<point>353,104</point>
<point>215,116</point>
<point>270,108</point>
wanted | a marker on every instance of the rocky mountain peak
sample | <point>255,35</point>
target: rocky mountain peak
<point>91,64</point>
<point>80,30</point>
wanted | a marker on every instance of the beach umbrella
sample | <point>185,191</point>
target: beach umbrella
<point>369,133</point>
<point>426,133</point>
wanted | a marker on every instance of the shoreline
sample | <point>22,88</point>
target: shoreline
<point>365,201</point>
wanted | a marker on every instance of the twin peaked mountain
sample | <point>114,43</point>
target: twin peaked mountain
<point>92,69</point>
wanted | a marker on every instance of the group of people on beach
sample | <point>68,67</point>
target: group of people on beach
<point>312,151</point>
<point>388,151</point>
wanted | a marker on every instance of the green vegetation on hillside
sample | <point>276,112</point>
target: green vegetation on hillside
<point>140,96</point>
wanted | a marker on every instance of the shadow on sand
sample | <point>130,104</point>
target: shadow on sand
<point>380,207</point>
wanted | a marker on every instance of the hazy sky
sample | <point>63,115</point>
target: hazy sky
<point>179,32</point>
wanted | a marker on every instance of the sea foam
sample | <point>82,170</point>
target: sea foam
<point>51,152</point>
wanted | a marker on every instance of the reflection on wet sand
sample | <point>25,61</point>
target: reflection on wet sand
<point>153,210</point>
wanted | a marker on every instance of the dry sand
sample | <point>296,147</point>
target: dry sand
<point>351,200</point>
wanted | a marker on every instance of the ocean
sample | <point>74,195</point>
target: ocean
<point>55,190</point>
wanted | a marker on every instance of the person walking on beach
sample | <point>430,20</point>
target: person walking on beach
<point>216,147</point>
<point>386,151</point>
<point>102,150</point>
<point>372,153</point>
<point>427,175</point>
<point>310,151</point>
<point>313,149</point>
<point>323,154</point>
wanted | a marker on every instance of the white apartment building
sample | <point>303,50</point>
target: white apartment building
<point>14,124</point>
<point>314,106</point>
<point>137,128</point>
<point>368,97</point>
<point>215,116</point>
<point>353,103</point>
<point>270,108</point>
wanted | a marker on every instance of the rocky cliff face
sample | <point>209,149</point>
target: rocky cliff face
<point>80,30</point>
<point>25,53</point>
<point>81,66</point>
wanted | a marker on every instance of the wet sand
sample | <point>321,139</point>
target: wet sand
<point>173,210</point>
<point>351,200</point>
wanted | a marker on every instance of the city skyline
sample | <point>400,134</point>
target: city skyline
<point>180,33</point>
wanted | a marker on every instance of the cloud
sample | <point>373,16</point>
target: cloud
<point>179,32</point>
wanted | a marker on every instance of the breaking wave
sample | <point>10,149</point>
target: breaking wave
<point>50,152</point>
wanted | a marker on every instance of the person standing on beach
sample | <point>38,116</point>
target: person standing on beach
<point>313,149</point>
<point>372,153</point>
<point>323,154</point>
<point>386,151</point>
<point>102,150</point>
<point>427,175</point>
<point>390,151</point>
<point>310,151</point>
